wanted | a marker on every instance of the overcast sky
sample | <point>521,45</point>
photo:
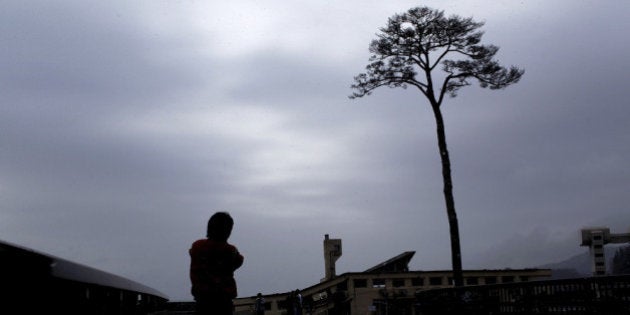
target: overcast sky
<point>125,124</point>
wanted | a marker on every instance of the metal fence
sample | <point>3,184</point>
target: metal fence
<point>597,295</point>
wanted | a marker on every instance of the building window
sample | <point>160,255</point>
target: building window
<point>472,281</point>
<point>507,279</point>
<point>343,286</point>
<point>490,280</point>
<point>378,283</point>
<point>397,283</point>
<point>417,282</point>
<point>435,280</point>
<point>282,305</point>
<point>267,306</point>
<point>524,278</point>
<point>379,306</point>
<point>360,283</point>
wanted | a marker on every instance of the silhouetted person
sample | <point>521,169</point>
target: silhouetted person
<point>298,305</point>
<point>212,264</point>
<point>290,303</point>
<point>259,307</point>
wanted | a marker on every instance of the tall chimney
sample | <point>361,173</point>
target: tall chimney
<point>332,252</point>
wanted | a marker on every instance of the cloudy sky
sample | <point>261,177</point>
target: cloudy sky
<point>125,124</point>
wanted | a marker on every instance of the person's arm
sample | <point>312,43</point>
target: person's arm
<point>237,259</point>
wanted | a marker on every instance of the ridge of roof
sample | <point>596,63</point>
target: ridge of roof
<point>403,259</point>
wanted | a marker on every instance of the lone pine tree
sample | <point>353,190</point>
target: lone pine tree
<point>408,51</point>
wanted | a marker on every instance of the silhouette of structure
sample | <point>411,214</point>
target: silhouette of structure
<point>38,283</point>
<point>601,295</point>
<point>386,288</point>
<point>332,252</point>
<point>595,238</point>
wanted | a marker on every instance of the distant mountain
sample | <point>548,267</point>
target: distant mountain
<point>578,266</point>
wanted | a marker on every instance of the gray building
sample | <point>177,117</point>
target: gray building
<point>387,285</point>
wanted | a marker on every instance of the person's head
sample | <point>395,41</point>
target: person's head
<point>220,226</point>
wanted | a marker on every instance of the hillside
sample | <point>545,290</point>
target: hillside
<point>578,266</point>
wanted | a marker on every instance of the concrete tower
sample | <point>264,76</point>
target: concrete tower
<point>595,238</point>
<point>332,252</point>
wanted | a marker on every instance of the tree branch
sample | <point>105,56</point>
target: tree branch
<point>439,59</point>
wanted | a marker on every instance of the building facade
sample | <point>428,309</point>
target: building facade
<point>387,288</point>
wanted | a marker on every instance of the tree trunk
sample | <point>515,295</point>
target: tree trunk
<point>456,255</point>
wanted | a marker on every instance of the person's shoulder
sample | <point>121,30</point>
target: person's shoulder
<point>199,243</point>
<point>210,243</point>
<point>231,247</point>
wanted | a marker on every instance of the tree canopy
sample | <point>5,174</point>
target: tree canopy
<point>412,45</point>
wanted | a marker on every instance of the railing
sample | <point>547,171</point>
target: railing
<point>597,295</point>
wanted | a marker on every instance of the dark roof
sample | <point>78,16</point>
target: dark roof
<point>399,263</point>
<point>65,269</point>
